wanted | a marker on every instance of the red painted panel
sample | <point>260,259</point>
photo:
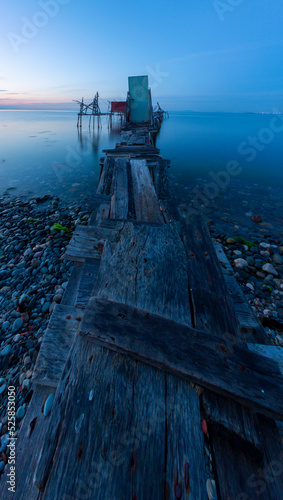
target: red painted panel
<point>118,107</point>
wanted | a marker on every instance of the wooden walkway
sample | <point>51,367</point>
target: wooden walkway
<point>152,337</point>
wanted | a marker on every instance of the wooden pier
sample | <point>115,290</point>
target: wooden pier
<point>153,355</point>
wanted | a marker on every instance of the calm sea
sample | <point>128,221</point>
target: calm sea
<point>44,152</point>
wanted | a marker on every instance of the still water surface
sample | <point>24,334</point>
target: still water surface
<point>44,152</point>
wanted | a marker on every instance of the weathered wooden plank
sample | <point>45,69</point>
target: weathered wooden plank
<point>145,199</point>
<point>185,473</point>
<point>204,269</point>
<point>164,344</point>
<point>71,291</point>
<point>89,275</point>
<point>56,345</point>
<point>119,199</point>
<point>95,200</point>
<point>105,181</point>
<point>28,447</point>
<point>147,269</point>
<point>232,417</point>
<point>271,352</point>
<point>236,423</point>
<point>148,148</point>
<point>106,469</point>
<point>161,181</point>
<point>88,243</point>
<point>237,463</point>
<point>102,213</point>
<point>108,463</point>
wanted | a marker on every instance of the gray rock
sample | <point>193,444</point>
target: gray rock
<point>17,325</point>
<point>241,263</point>
<point>20,413</point>
<point>277,258</point>
<point>268,268</point>
<point>2,388</point>
<point>6,351</point>
<point>45,307</point>
<point>6,325</point>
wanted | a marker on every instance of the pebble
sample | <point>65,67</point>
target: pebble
<point>20,413</point>
<point>240,263</point>
<point>27,360</point>
<point>2,388</point>
<point>45,307</point>
<point>211,489</point>
<point>2,465</point>
<point>6,351</point>
<point>17,325</point>
<point>48,405</point>
<point>268,268</point>
<point>4,442</point>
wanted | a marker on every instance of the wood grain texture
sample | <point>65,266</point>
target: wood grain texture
<point>95,200</point>
<point>88,243</point>
<point>229,423</point>
<point>105,181</point>
<point>185,471</point>
<point>28,447</point>
<point>146,269</point>
<point>269,351</point>
<point>175,348</point>
<point>103,212</point>
<point>56,345</point>
<point>128,454</point>
<point>87,281</point>
<point>145,199</point>
<point>119,198</point>
<point>71,291</point>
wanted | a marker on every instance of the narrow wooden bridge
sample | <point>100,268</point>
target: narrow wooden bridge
<point>154,356</point>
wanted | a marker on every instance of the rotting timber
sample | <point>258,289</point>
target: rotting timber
<point>153,335</point>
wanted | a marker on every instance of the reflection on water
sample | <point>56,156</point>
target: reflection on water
<point>44,152</point>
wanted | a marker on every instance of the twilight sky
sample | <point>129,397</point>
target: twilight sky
<point>202,55</point>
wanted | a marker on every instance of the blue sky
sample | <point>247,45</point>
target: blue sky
<point>202,55</point>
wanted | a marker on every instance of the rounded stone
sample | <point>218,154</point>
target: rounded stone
<point>241,263</point>
<point>6,351</point>
<point>20,413</point>
<point>17,325</point>
<point>45,307</point>
<point>2,388</point>
<point>27,360</point>
<point>48,405</point>
<point>6,325</point>
<point>268,268</point>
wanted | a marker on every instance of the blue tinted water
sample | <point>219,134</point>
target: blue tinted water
<point>198,143</point>
<point>43,152</point>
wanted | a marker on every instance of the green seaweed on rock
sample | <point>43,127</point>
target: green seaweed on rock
<point>249,244</point>
<point>58,227</point>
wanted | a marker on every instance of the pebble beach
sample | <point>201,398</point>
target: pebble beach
<point>33,278</point>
